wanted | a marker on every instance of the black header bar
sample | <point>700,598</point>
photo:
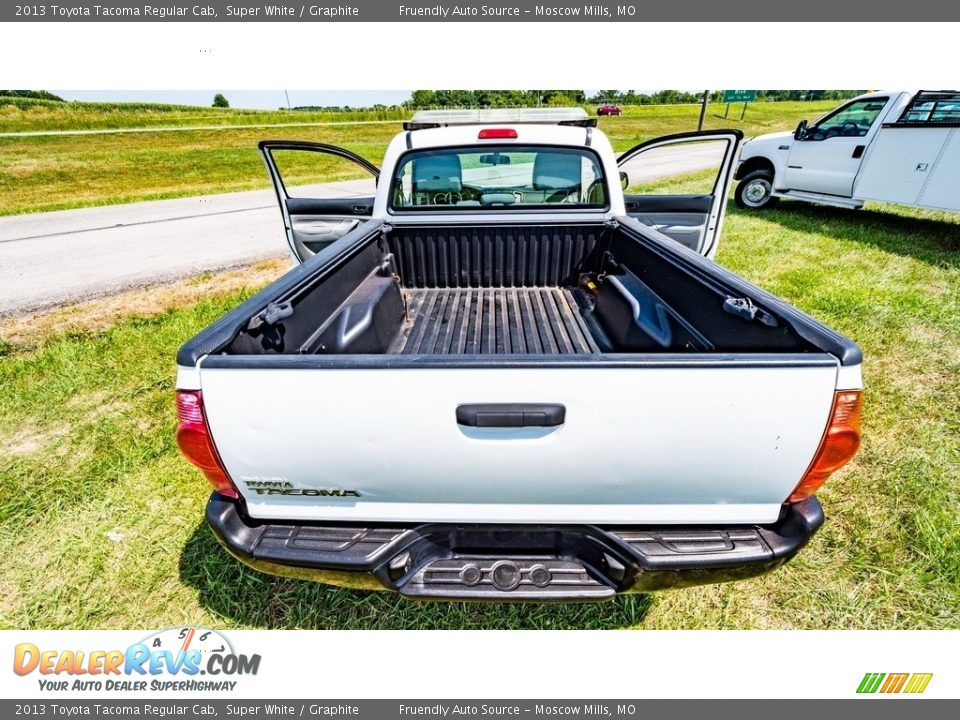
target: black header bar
<point>740,11</point>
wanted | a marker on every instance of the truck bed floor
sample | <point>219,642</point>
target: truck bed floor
<point>543,320</point>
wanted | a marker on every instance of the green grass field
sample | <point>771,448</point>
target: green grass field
<point>101,520</point>
<point>66,171</point>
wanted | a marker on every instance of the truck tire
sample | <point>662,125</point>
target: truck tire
<point>755,191</point>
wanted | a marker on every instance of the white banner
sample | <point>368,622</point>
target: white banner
<point>195,662</point>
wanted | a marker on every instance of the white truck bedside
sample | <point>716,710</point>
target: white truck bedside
<point>898,147</point>
<point>493,375</point>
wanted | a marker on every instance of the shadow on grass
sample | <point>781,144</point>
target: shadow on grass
<point>936,242</point>
<point>231,590</point>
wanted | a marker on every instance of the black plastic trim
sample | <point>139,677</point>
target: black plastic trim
<point>326,262</point>
<point>358,207</point>
<point>823,337</point>
<point>643,204</point>
<point>511,415</point>
<point>903,125</point>
<point>536,562</point>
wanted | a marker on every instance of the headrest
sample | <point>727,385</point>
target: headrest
<point>437,173</point>
<point>556,171</point>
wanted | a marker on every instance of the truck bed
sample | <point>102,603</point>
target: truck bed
<point>501,321</point>
<point>575,291</point>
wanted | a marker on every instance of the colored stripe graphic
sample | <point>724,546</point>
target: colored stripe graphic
<point>894,683</point>
<point>918,682</point>
<point>870,682</point>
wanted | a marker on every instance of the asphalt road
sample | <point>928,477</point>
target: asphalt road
<point>48,259</point>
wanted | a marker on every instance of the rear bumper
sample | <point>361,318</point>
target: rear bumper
<point>510,563</point>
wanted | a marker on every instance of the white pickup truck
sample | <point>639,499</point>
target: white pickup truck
<point>897,147</point>
<point>502,382</point>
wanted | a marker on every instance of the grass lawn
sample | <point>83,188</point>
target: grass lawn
<point>101,520</point>
<point>68,171</point>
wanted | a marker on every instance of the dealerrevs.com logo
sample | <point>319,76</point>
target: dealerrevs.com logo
<point>177,659</point>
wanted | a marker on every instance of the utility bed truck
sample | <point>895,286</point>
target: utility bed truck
<point>498,376</point>
<point>897,147</point>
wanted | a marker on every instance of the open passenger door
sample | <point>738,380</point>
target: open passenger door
<point>324,191</point>
<point>678,185</point>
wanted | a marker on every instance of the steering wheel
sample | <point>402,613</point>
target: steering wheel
<point>563,195</point>
<point>850,129</point>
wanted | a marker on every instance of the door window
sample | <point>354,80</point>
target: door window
<point>853,120</point>
<point>690,168</point>
<point>309,174</point>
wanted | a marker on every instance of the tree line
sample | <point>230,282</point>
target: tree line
<point>421,99</point>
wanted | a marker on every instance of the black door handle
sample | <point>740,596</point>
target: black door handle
<point>858,151</point>
<point>511,415</point>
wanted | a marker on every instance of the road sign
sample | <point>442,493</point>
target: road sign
<point>739,96</point>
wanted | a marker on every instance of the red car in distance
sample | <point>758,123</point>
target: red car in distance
<point>609,109</point>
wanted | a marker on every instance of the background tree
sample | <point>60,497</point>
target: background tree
<point>35,94</point>
<point>220,101</point>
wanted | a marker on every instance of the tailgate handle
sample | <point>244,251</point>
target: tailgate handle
<point>511,415</point>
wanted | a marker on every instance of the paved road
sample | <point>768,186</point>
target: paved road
<point>189,128</point>
<point>47,259</point>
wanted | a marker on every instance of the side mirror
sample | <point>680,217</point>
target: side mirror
<point>624,180</point>
<point>801,132</point>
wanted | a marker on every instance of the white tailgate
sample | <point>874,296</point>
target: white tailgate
<point>639,445</point>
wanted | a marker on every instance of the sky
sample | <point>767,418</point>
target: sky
<point>253,99</point>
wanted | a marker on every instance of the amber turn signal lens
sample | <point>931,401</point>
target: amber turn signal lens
<point>840,442</point>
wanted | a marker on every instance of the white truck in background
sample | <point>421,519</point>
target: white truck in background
<point>498,376</point>
<point>895,147</point>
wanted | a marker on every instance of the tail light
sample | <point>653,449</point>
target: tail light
<point>497,134</point>
<point>839,444</point>
<point>196,443</point>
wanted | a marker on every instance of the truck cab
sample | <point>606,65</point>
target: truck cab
<point>493,178</point>
<point>894,146</point>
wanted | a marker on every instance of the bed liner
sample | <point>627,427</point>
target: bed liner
<point>495,321</point>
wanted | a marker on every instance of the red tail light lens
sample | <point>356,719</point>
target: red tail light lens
<point>497,134</point>
<point>840,442</point>
<point>196,444</point>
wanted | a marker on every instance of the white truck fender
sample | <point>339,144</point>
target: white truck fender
<point>766,152</point>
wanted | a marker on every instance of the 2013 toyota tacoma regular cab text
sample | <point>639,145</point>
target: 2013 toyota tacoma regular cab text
<point>501,377</point>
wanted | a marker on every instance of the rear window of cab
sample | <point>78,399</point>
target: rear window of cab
<point>506,177</point>
<point>932,108</point>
